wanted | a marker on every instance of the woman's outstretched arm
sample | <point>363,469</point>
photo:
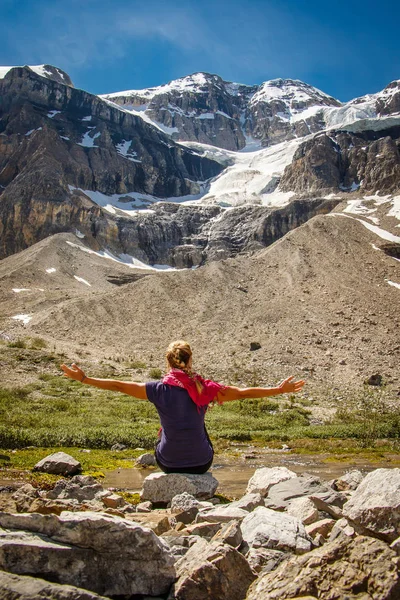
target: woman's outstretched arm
<point>288,386</point>
<point>138,390</point>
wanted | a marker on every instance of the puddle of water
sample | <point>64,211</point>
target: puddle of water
<point>233,474</point>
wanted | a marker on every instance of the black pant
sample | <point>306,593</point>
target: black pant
<point>191,470</point>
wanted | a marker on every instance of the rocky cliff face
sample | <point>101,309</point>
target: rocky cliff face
<point>187,236</point>
<point>343,161</point>
<point>54,138</point>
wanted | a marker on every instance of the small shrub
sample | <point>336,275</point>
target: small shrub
<point>155,373</point>
<point>17,344</point>
<point>137,364</point>
<point>37,343</point>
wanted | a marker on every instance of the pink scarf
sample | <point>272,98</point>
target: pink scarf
<point>202,391</point>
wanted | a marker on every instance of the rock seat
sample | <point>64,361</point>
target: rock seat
<point>160,488</point>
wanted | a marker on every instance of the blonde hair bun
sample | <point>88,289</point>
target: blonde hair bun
<point>178,355</point>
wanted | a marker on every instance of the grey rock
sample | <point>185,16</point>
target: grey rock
<point>22,587</point>
<point>230,533</point>
<point>118,447</point>
<point>205,530</point>
<point>396,546</point>
<point>322,527</point>
<point>341,528</point>
<point>146,460</point>
<point>266,477</point>
<point>221,514</point>
<point>144,507</point>
<point>58,463</point>
<point>270,529</point>
<point>212,570</point>
<point>304,509</point>
<point>264,560</point>
<point>80,488</point>
<point>283,493</point>
<point>162,487</point>
<point>24,497</point>
<point>248,502</point>
<point>184,501</point>
<point>375,504</point>
<point>348,481</point>
<point>84,549</point>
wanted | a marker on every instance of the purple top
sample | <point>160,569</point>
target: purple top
<point>184,441</point>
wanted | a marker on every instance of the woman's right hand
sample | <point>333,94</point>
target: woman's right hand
<point>290,387</point>
<point>73,372</point>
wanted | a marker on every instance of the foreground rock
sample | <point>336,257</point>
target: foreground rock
<point>160,488</point>
<point>212,570</point>
<point>58,463</point>
<point>17,587</point>
<point>269,529</point>
<point>104,554</point>
<point>361,569</point>
<point>375,505</point>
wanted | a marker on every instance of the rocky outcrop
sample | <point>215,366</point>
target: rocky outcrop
<point>242,542</point>
<point>344,161</point>
<point>358,569</point>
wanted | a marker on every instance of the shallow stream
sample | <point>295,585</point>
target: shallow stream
<point>233,473</point>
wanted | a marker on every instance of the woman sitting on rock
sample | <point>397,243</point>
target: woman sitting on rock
<point>181,400</point>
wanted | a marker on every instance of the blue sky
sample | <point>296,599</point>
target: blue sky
<point>346,48</point>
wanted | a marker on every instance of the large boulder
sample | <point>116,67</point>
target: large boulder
<point>360,569</point>
<point>265,477</point>
<point>162,487</point>
<point>271,529</point>
<point>375,504</point>
<point>22,587</point>
<point>58,463</point>
<point>281,495</point>
<point>212,570</point>
<point>102,553</point>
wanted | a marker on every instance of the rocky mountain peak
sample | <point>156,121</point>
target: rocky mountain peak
<point>293,92</point>
<point>48,71</point>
